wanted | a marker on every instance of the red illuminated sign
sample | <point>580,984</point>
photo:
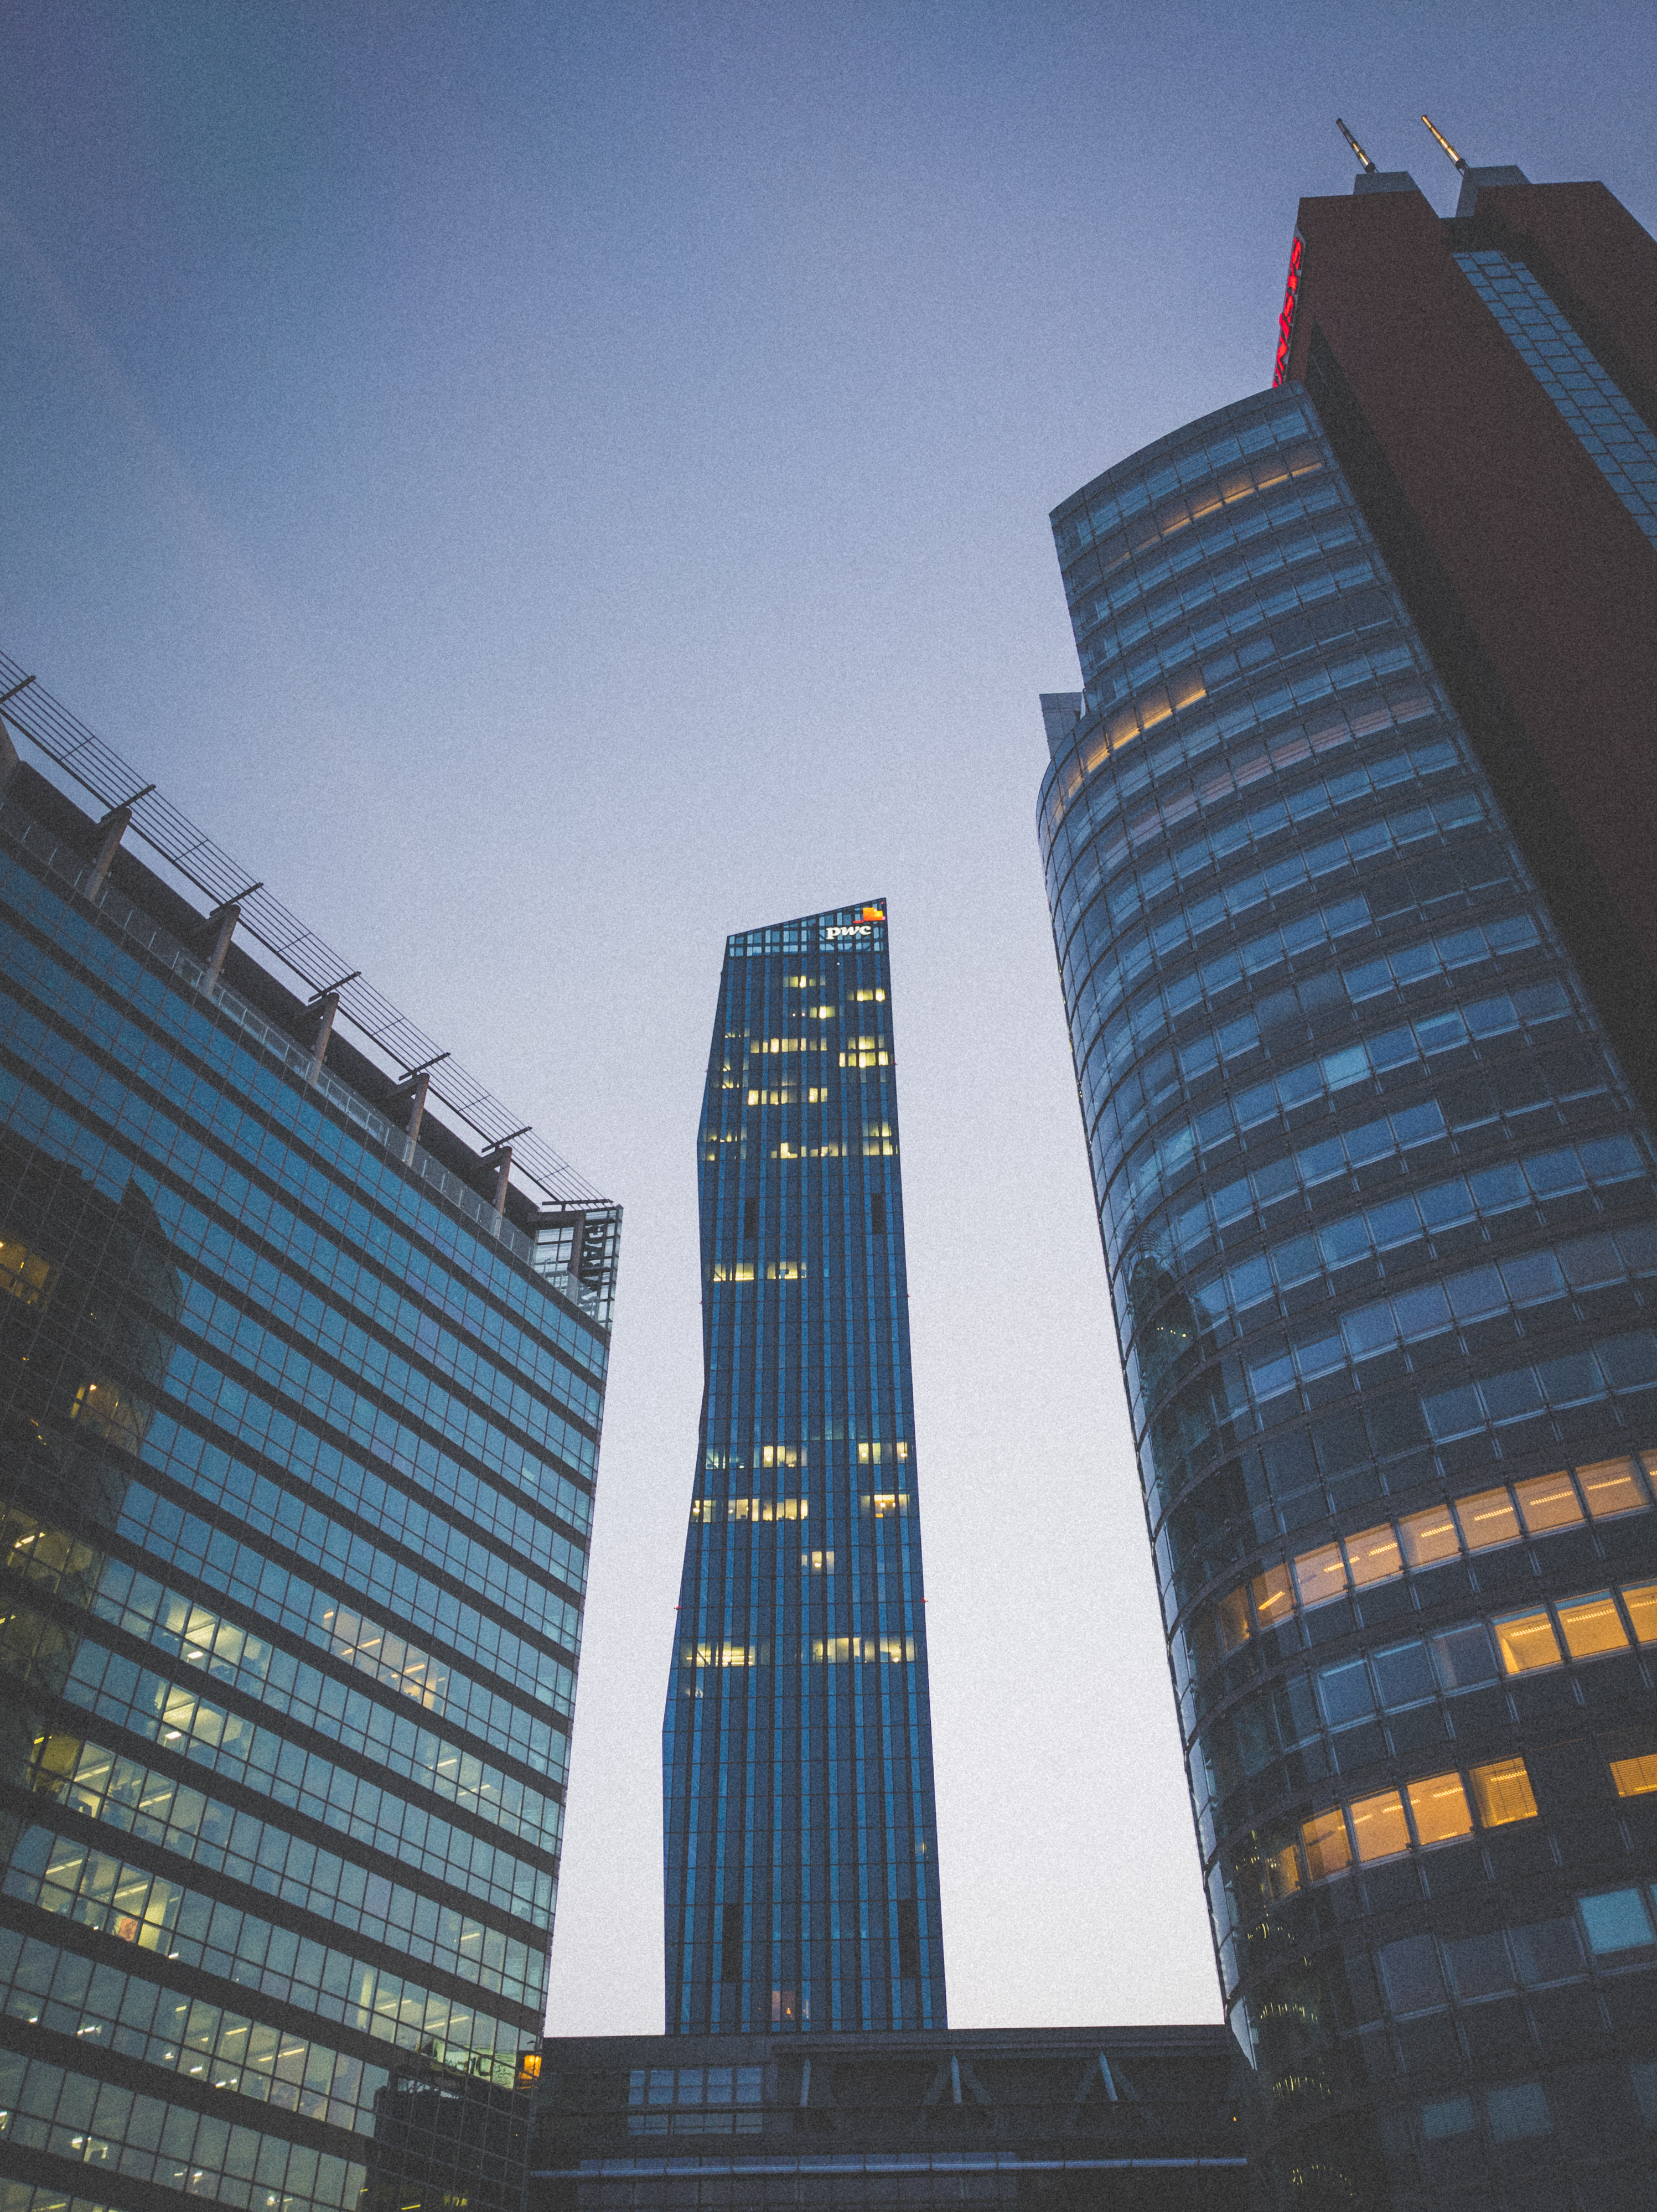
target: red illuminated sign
<point>1286,319</point>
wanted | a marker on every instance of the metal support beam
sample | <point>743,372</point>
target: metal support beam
<point>223,920</point>
<point>501,1159</point>
<point>327,1007</point>
<point>414,1091</point>
<point>114,826</point>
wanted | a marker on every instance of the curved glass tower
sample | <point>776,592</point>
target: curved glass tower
<point>801,1840</point>
<point>1379,1222</point>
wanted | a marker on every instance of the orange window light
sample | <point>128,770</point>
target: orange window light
<point>1487,1519</point>
<point>1502,1792</point>
<point>1438,1806</point>
<point>1320,1576</point>
<point>1232,1615</point>
<point>1378,1826</point>
<point>1373,1555</point>
<point>1527,1641</point>
<point>1548,1501</point>
<point>1429,1537</point>
<point>1641,1598</point>
<point>1634,1777</point>
<point>1613,1486</point>
<point>1273,1602</point>
<point>1592,1625</point>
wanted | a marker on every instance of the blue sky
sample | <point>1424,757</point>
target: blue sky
<point>550,485</point>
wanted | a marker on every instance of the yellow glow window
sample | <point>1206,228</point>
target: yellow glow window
<point>1373,1555</point>
<point>1612,1487</point>
<point>1320,1576</point>
<point>1378,1827</point>
<point>1502,1792</point>
<point>1548,1501</point>
<point>1526,1642</point>
<point>1487,1519</point>
<point>1592,1625</point>
<point>1438,1806</point>
<point>1429,1537</point>
<point>1273,1603</point>
<point>1634,1777</point>
<point>1641,1598</point>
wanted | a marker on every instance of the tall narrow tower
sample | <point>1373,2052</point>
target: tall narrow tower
<point>801,1834</point>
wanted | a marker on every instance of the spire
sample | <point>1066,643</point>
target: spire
<point>1473,180</point>
<point>1363,160</point>
<point>1445,143</point>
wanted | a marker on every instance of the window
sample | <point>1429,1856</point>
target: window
<point>1641,1598</point>
<point>1438,1806</point>
<point>1379,1826</point>
<point>1487,1519</point>
<point>1548,1501</point>
<point>1616,1921</point>
<point>1429,1537</point>
<point>1526,1642</point>
<point>1373,1556</point>
<point>1324,1840</point>
<point>1502,1792</point>
<point>24,1275</point>
<point>1320,1576</point>
<point>1635,1777</point>
<point>1518,2112</point>
<point>1409,1970</point>
<point>1612,1487</point>
<point>1592,1625</point>
<point>1273,1604</point>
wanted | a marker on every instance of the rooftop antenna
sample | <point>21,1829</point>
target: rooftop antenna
<point>1445,143</point>
<point>1364,162</point>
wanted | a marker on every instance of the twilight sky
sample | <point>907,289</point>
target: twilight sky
<point>548,485</point>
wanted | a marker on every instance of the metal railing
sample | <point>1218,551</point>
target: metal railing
<point>222,881</point>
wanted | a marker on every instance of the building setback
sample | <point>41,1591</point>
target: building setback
<point>801,1834</point>
<point>300,1402</point>
<point>1375,1191</point>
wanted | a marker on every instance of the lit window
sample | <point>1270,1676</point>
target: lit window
<point>1373,1555</point>
<point>1502,1792</point>
<point>1548,1501</point>
<point>1320,1576</point>
<point>733,1271</point>
<point>1273,1603</point>
<point>1487,1519</point>
<point>529,2065</point>
<point>1438,1806</point>
<point>24,1275</point>
<point>1641,1598</point>
<point>1593,1625</point>
<point>1526,1642</point>
<point>1379,1826</point>
<point>818,1563</point>
<point>106,1408</point>
<point>877,998</point>
<point>1634,1777</point>
<point>1428,1537</point>
<point>1612,1487</point>
<point>1323,1839</point>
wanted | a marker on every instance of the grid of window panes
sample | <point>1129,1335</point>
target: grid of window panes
<point>296,1464</point>
<point>800,1830</point>
<point>1379,1222</point>
<point>1616,436</point>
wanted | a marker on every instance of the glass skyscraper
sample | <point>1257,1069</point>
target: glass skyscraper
<point>801,1834</point>
<point>300,1402</point>
<point>1379,1215</point>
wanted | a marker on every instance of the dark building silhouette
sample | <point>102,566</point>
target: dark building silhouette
<point>1345,842</point>
<point>1121,2119</point>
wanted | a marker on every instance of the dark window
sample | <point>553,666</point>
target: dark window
<point>877,1213</point>
<point>731,1944</point>
<point>908,1935</point>
<point>749,1208</point>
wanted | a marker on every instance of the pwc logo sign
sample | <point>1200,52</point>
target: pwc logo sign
<point>862,926</point>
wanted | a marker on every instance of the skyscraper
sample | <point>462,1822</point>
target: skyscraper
<point>299,1398</point>
<point>1375,1191</point>
<point>801,1838</point>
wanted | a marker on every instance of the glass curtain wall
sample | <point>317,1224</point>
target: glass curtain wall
<point>296,1466</point>
<point>801,1838</point>
<point>1378,1217</point>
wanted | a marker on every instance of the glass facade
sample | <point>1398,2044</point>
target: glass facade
<point>1379,1221</point>
<point>297,1450</point>
<point>801,1838</point>
<point>1616,436</point>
